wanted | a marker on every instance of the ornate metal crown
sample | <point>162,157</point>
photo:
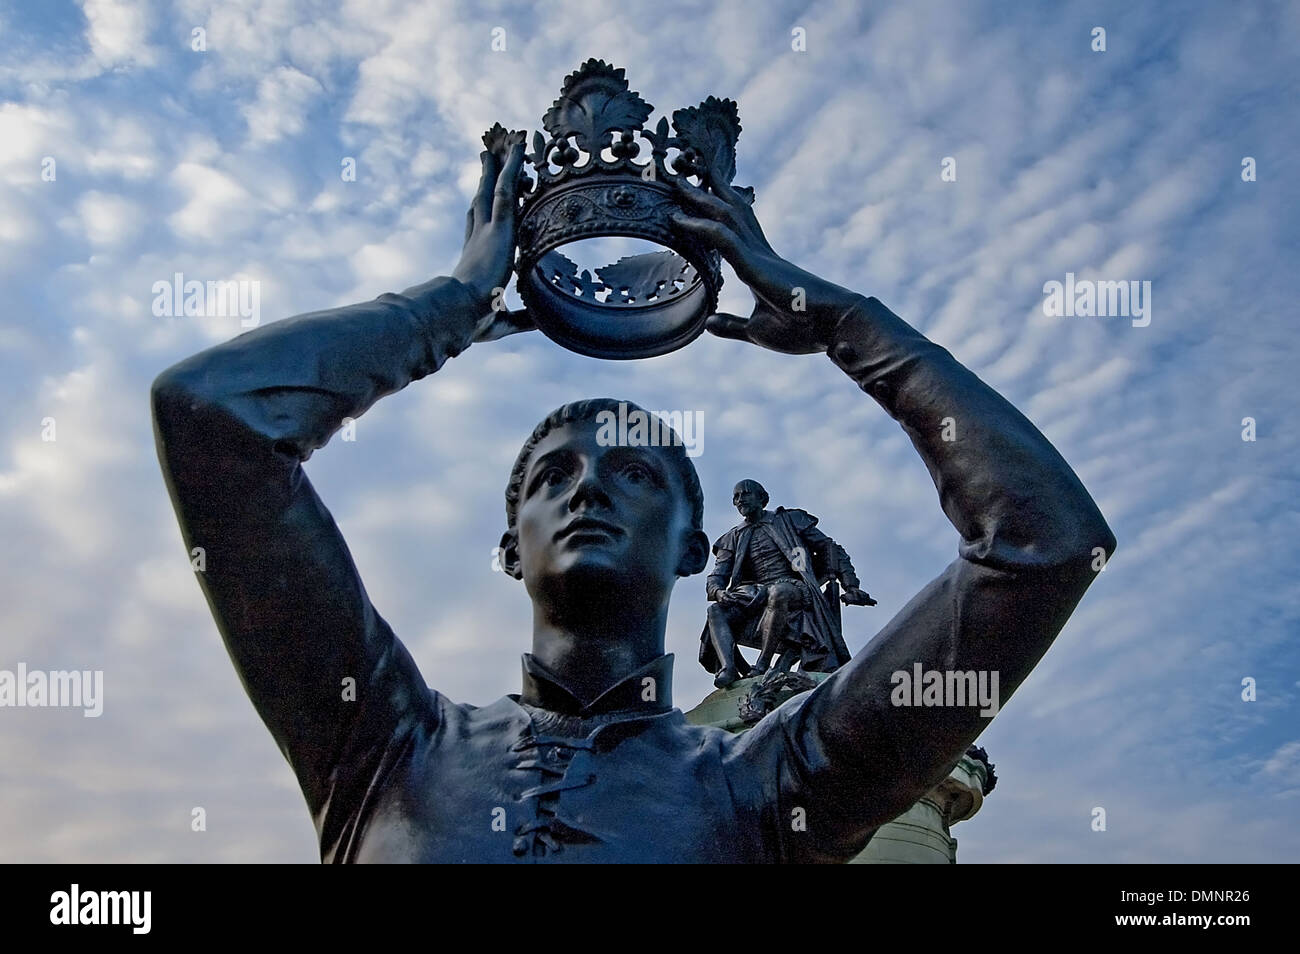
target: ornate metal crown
<point>596,178</point>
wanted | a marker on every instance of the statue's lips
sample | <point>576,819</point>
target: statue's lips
<point>589,526</point>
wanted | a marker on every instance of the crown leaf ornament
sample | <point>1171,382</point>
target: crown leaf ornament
<point>600,172</point>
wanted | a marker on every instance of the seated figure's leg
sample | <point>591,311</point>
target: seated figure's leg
<point>721,620</point>
<point>782,599</point>
<point>786,660</point>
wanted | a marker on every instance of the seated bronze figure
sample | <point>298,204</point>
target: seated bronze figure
<point>767,593</point>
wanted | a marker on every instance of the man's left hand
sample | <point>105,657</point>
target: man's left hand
<point>856,596</point>
<point>794,310</point>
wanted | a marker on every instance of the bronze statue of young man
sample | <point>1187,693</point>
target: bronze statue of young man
<point>590,761</point>
<point>766,592</point>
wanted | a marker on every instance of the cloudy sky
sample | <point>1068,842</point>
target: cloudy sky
<point>224,163</point>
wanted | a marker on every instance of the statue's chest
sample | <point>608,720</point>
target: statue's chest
<point>499,792</point>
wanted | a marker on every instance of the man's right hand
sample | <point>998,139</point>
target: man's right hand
<point>489,253</point>
<point>744,595</point>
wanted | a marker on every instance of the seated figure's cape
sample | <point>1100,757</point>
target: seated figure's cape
<point>823,647</point>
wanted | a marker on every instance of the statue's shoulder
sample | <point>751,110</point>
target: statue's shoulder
<point>678,732</point>
<point>801,519</point>
<point>504,717</point>
<point>727,541</point>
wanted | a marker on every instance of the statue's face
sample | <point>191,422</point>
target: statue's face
<point>607,516</point>
<point>747,498</point>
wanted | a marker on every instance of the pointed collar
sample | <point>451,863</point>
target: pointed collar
<point>542,688</point>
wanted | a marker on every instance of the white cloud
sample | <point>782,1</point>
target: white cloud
<point>29,133</point>
<point>118,31</point>
<point>216,206</point>
<point>108,219</point>
<point>283,97</point>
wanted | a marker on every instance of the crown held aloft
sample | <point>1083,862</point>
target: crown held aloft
<point>593,178</point>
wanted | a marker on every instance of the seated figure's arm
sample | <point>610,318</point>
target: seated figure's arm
<point>827,552</point>
<point>848,575</point>
<point>717,580</point>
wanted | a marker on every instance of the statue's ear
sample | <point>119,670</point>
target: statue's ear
<point>695,553</point>
<point>508,555</point>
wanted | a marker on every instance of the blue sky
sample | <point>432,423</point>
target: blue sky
<point>225,164</point>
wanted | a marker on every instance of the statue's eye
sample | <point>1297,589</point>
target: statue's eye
<point>637,472</point>
<point>553,476</point>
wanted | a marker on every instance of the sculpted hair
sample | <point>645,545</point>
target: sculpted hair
<point>578,411</point>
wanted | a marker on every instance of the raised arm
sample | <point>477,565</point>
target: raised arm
<point>234,425</point>
<point>1031,541</point>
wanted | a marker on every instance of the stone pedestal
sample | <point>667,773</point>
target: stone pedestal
<point>922,834</point>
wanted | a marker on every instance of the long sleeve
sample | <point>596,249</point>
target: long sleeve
<point>1029,534</point>
<point>848,575</point>
<point>826,552</point>
<point>720,577</point>
<point>233,425</point>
